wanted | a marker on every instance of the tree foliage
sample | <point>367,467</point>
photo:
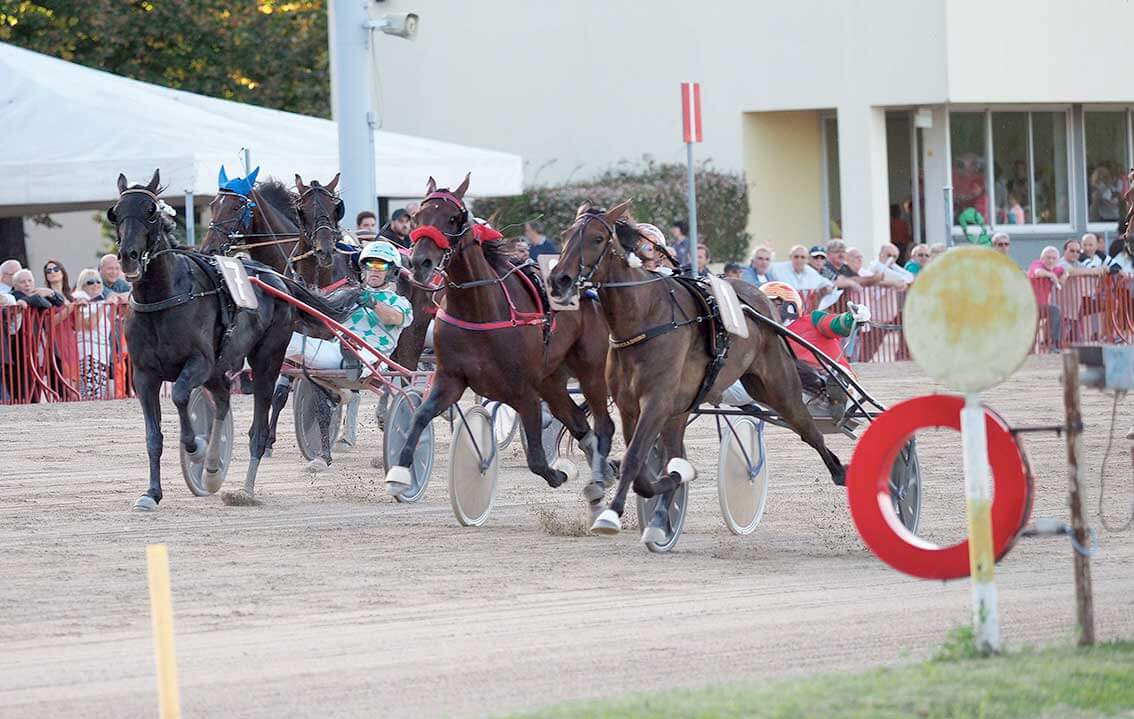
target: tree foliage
<point>269,52</point>
<point>658,192</point>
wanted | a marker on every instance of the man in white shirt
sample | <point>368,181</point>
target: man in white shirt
<point>8,270</point>
<point>893,274</point>
<point>1092,257</point>
<point>797,273</point>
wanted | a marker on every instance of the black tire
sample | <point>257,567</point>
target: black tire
<point>905,486</point>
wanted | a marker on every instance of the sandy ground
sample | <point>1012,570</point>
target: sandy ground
<point>331,600</point>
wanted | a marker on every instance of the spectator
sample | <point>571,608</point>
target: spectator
<point>93,324</point>
<point>1001,242</point>
<point>397,230</point>
<point>866,277</point>
<point>797,273</point>
<point>367,224</point>
<point>817,258</point>
<point>899,229</point>
<point>110,270</point>
<point>1119,259</point>
<point>8,268</point>
<point>1092,257</point>
<point>1072,251</point>
<point>1047,277</point>
<point>1015,211</point>
<point>648,250</point>
<point>759,270</point>
<point>703,259</point>
<point>521,250</point>
<point>55,277</point>
<point>919,258</point>
<point>413,208</point>
<point>539,243</point>
<point>23,288</point>
<point>731,271</point>
<point>835,268</point>
<point>680,245</point>
<point>893,274</point>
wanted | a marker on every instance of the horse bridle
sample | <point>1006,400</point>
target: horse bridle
<point>465,229</point>
<point>151,224</point>
<point>587,272</point>
<point>322,222</point>
<point>228,227</point>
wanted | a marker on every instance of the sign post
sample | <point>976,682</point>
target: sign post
<point>691,132</point>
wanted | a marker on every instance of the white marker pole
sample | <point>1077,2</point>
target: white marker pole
<point>978,496</point>
<point>691,133</point>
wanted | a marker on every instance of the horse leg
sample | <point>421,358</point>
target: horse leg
<point>194,374</point>
<point>279,401</point>
<point>324,410</point>
<point>446,390</point>
<point>349,434</point>
<point>673,441</point>
<point>563,407</point>
<point>531,415</point>
<point>645,431</point>
<point>148,388</point>
<point>785,396</point>
<point>220,389</point>
<point>595,392</point>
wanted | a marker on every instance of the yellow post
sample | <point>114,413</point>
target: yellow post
<point>982,556</point>
<point>161,613</point>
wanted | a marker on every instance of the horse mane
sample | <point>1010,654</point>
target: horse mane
<point>281,199</point>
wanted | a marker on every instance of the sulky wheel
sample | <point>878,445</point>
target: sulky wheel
<point>905,486</point>
<point>201,413</point>
<point>742,474</point>
<point>505,421</point>
<point>665,511</point>
<point>307,400</point>
<point>399,420</point>
<point>472,467</point>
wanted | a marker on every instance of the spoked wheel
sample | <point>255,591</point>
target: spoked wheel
<point>399,420</point>
<point>201,414</point>
<point>505,421</point>
<point>472,467</point>
<point>306,401</point>
<point>905,486</point>
<point>664,511</point>
<point>742,474</point>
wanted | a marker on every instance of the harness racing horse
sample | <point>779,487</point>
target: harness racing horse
<point>185,329</point>
<point>492,335</point>
<point>659,357</point>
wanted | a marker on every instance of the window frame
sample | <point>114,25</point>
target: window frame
<point>1101,228</point>
<point>1033,228</point>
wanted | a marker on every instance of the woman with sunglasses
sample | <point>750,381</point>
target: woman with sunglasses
<point>93,324</point>
<point>55,277</point>
<point>919,258</point>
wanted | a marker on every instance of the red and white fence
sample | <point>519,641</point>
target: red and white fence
<point>73,353</point>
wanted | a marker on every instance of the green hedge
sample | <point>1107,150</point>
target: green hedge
<point>658,192</point>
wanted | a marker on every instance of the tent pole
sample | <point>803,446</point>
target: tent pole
<point>190,227</point>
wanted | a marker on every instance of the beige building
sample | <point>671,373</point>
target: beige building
<point>835,111</point>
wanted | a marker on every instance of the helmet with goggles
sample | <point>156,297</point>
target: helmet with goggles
<point>378,255</point>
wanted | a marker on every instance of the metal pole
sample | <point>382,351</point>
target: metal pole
<point>190,226</point>
<point>692,205</point>
<point>978,495</point>
<point>247,156</point>
<point>351,101</point>
<point>1084,601</point>
<point>948,189</point>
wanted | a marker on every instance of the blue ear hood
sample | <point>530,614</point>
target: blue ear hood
<point>241,186</point>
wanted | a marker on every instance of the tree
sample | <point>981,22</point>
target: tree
<point>270,52</point>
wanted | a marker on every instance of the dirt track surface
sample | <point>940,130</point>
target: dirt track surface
<point>331,600</point>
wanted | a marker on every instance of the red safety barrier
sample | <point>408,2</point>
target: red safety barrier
<point>64,354</point>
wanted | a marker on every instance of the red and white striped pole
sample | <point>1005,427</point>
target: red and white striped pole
<point>691,132</point>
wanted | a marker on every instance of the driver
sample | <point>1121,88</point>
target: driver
<point>381,313</point>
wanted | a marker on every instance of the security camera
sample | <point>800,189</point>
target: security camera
<point>402,25</point>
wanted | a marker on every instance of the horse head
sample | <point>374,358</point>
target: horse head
<point>588,243</point>
<point>444,223</point>
<point>137,223</point>
<point>319,210</point>
<point>231,211</point>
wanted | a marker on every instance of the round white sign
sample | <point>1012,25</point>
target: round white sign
<point>970,318</point>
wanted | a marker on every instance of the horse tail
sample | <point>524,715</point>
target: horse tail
<point>337,305</point>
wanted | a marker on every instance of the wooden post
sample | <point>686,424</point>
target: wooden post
<point>161,613</point>
<point>1085,609</point>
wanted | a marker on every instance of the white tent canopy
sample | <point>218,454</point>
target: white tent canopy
<point>69,130</point>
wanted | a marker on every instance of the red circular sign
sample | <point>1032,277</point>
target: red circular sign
<point>868,487</point>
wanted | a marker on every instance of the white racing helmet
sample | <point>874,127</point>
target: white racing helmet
<point>380,250</point>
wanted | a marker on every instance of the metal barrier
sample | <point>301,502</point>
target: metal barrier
<point>78,352</point>
<point>64,354</point>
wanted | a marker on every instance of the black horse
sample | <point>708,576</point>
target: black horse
<point>184,329</point>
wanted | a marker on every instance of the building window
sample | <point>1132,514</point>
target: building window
<point>1011,167</point>
<point>834,196</point>
<point>1107,157</point>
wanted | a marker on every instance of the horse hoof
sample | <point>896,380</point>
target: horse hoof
<point>316,466</point>
<point>567,467</point>
<point>145,503</point>
<point>594,509</point>
<point>267,451</point>
<point>239,498</point>
<point>398,480</point>
<point>840,477</point>
<point>213,478</point>
<point>683,468</point>
<point>653,535</point>
<point>200,442</point>
<point>608,522</point>
<point>343,446</point>
<point>593,492</point>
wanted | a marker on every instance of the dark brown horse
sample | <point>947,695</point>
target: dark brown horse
<point>659,355</point>
<point>490,336</point>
